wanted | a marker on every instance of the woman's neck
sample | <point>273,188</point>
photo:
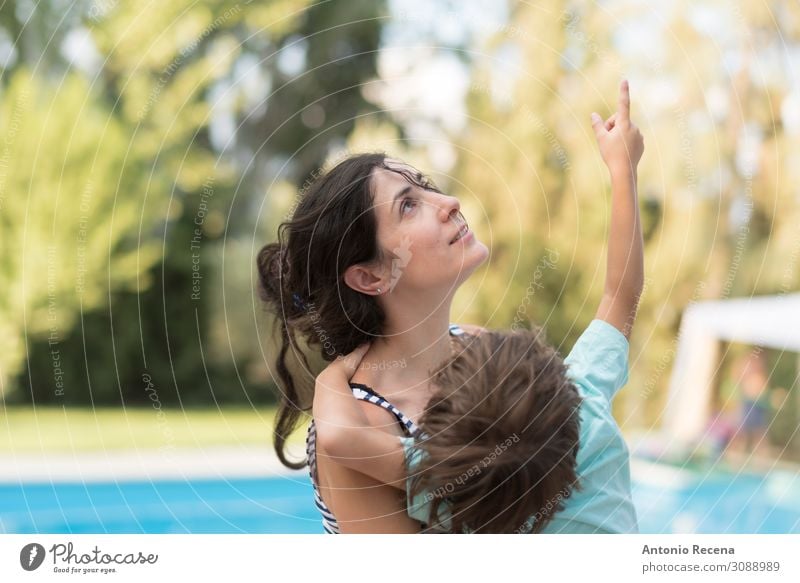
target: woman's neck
<point>414,343</point>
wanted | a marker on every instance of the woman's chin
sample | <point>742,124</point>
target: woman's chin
<point>484,252</point>
<point>478,256</point>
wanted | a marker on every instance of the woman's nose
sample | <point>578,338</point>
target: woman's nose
<point>448,206</point>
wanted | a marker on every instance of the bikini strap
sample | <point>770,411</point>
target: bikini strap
<point>364,393</point>
<point>456,330</point>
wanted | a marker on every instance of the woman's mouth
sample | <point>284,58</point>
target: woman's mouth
<point>462,232</point>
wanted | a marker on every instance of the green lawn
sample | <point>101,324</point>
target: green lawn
<point>77,429</point>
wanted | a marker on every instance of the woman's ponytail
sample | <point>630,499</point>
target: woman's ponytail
<point>272,264</point>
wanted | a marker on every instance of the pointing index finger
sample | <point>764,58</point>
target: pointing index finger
<point>624,108</point>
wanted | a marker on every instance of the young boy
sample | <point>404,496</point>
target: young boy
<point>500,448</point>
<point>600,502</point>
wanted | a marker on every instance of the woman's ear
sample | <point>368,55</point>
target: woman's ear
<point>366,280</point>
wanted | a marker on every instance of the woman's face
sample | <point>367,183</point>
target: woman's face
<point>423,234</point>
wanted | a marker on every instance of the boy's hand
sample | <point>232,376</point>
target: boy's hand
<point>621,143</point>
<point>344,367</point>
<point>345,433</point>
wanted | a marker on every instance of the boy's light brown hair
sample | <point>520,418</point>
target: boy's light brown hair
<point>501,436</point>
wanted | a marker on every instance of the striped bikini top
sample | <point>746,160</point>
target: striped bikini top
<point>362,393</point>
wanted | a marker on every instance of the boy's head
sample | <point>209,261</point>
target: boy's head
<point>501,435</point>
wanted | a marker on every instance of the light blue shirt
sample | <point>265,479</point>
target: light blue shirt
<point>598,365</point>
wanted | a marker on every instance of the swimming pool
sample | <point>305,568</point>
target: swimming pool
<point>672,499</point>
<point>668,500</point>
<point>280,504</point>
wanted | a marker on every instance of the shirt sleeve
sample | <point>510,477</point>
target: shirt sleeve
<point>599,360</point>
<point>419,507</point>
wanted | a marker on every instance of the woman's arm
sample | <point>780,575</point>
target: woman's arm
<point>362,504</point>
<point>621,146</point>
<point>345,433</point>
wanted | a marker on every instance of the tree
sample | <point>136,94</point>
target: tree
<point>715,193</point>
<point>168,84</point>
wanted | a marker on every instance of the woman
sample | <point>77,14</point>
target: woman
<point>374,252</point>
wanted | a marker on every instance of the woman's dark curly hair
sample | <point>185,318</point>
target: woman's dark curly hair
<point>301,277</point>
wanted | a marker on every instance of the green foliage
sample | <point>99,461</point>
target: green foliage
<point>129,238</point>
<point>72,204</point>
<point>103,175</point>
<point>531,157</point>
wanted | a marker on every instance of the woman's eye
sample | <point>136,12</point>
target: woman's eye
<point>407,204</point>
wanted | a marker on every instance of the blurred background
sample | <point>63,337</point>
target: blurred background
<point>148,150</point>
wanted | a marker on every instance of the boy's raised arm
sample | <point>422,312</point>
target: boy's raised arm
<point>344,432</point>
<point>621,146</point>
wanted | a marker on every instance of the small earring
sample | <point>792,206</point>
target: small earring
<point>379,291</point>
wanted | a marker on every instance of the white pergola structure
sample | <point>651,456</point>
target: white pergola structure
<point>768,321</point>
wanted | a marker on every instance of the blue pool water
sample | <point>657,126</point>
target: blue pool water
<point>667,501</point>
<point>670,500</point>
<point>259,505</point>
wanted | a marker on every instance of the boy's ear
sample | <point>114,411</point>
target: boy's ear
<point>365,279</point>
